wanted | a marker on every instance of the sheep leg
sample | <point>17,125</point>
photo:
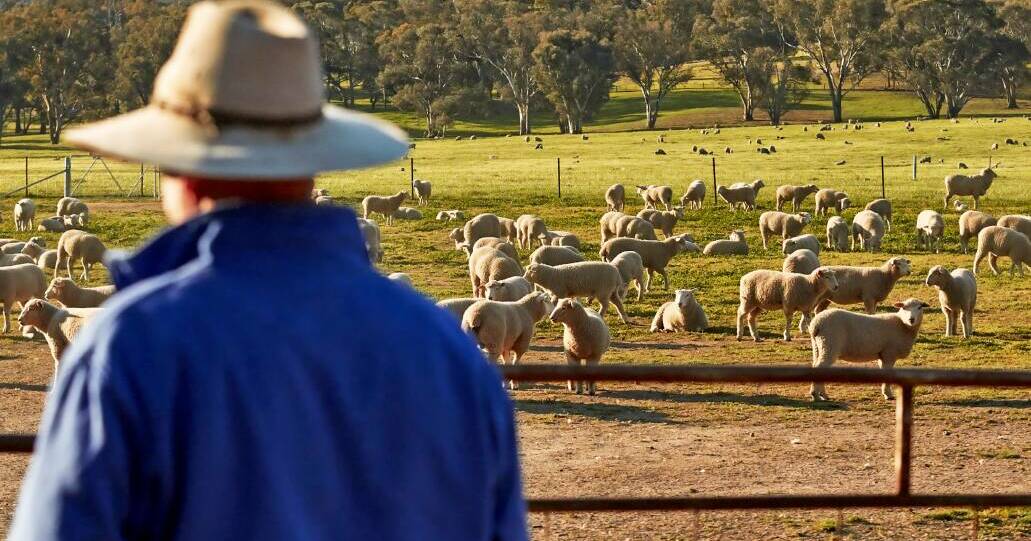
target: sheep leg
<point>763,234</point>
<point>968,322</point>
<point>870,305</point>
<point>665,279</point>
<point>947,197</point>
<point>886,363</point>
<point>512,384</point>
<point>619,308</point>
<point>993,262</point>
<point>977,202</point>
<point>68,265</point>
<point>978,257</point>
<point>604,302</point>
<point>753,322</point>
<point>741,314</point>
<point>821,359</point>
<point>803,324</point>
<point>572,385</point>
<point>7,316</point>
<point>950,321</point>
<point>788,316</point>
<point>591,384</point>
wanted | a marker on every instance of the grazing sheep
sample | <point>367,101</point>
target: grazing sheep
<point>795,194</point>
<point>423,190</point>
<point>66,292</point>
<point>774,223</point>
<point>481,225</point>
<point>506,247</point>
<point>886,338</point>
<point>562,238</point>
<point>615,197</point>
<point>59,326</point>
<point>585,337</point>
<point>72,205</point>
<point>827,199</point>
<point>631,267</point>
<point>383,204</point>
<point>929,229</point>
<point>450,215</point>
<point>24,215</point>
<point>507,290</point>
<point>636,228</point>
<point>957,294</point>
<point>801,261</point>
<point>407,213</point>
<point>762,290</point>
<point>838,234</point>
<point>51,225</point>
<point>868,230</point>
<point>736,245</point>
<point>556,255</point>
<point>19,283</point>
<point>504,329</point>
<point>655,254</point>
<point>681,314</point>
<point>529,228</point>
<point>883,208</point>
<point>664,221</point>
<point>996,241</point>
<point>508,229</point>
<point>655,195</point>
<point>801,242</point>
<point>593,279</point>
<point>740,195</point>
<point>971,223</point>
<point>1016,222</point>
<point>609,224</point>
<point>84,248</point>
<point>694,196</point>
<point>867,285</point>
<point>755,185</point>
<point>7,260</point>
<point>975,186</point>
<point>486,264</point>
<point>457,306</point>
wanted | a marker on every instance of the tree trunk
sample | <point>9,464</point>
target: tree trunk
<point>17,120</point>
<point>54,127</point>
<point>1009,87</point>
<point>524,118</point>
<point>652,112</point>
<point>836,104</point>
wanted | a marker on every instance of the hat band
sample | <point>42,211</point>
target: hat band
<point>222,119</point>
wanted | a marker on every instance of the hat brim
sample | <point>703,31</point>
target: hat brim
<point>341,140</point>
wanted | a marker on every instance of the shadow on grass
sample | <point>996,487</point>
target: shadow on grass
<point>594,410</point>
<point>990,403</point>
<point>24,387</point>
<point>726,398</point>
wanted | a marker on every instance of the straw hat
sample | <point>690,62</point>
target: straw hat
<point>242,97</point>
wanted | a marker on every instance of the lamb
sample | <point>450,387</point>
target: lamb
<point>504,329</point>
<point>508,290</point>
<point>655,195</point>
<point>665,221</point>
<point>867,230</point>
<point>1016,222</point>
<point>450,215</point>
<point>776,223</point>
<point>655,254</point>
<point>886,338</point>
<point>506,247</point>
<point>74,221</point>
<point>996,241</point>
<point>65,291</point>
<point>59,326</point>
<point>768,290</point>
<point>383,204</point>
<point>615,197</point>
<point>971,223</point>
<point>631,267</point>
<point>838,233</point>
<point>371,234</point>
<point>868,285</point>
<point>740,195</point>
<point>12,248</point>
<point>84,247</point>
<point>34,248</point>
<point>7,260</point>
<point>883,208</point>
<point>407,213</point>
<point>24,215</point>
<point>486,264</point>
<point>801,261</point>
<point>801,242</point>
<point>827,199</point>
<point>694,196</point>
<point>562,238</point>
<point>683,313</point>
<point>458,306</point>
<point>529,228</point>
<point>736,245</point>
<point>594,279</point>
<point>929,229</point>
<point>51,225</point>
<point>585,337</point>
<point>975,186</point>
<point>72,205</point>
<point>423,190</point>
<point>19,283</point>
<point>556,255</point>
<point>957,294</point>
<point>795,194</point>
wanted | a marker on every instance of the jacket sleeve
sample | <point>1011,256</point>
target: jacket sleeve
<point>510,508</point>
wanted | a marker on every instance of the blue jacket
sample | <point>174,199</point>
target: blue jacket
<point>255,379</point>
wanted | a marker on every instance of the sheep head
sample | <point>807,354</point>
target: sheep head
<point>937,276</point>
<point>738,235</point>
<point>899,266</point>
<point>805,217</point>
<point>37,313</point>
<point>684,297</point>
<point>911,311</point>
<point>564,310</point>
<point>828,277</point>
<point>56,288</point>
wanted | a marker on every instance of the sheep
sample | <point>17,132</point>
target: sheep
<point>795,194</point>
<point>755,185</point>
<point>12,248</point>
<point>929,229</point>
<point>615,197</point>
<point>72,205</point>
<point>383,204</point>
<point>959,206</point>
<point>482,225</point>
<point>594,279</point>
<point>665,221</point>
<point>504,329</point>
<point>7,260</point>
<point>423,190</point>
<point>681,314</point>
<point>996,241</point>
<point>319,192</point>
<point>508,228</point>
<point>457,306</point>
<point>885,338</point>
<point>655,254</point>
<point>801,261</point>
<point>450,215</point>
<point>957,294</point>
<point>556,255</point>
<point>529,228</point>
<point>401,278</point>
<point>407,213</point>
<point>609,224</point>
<point>801,242</point>
<point>506,247</point>
<point>775,223</point>
<point>971,223</point>
<point>631,267</point>
<point>838,234</point>
<point>867,230</point>
<point>741,196</point>
<point>736,245</point>
<point>1016,222</point>
<point>655,195</point>
<point>827,199</point>
<point>486,264</point>
<point>762,290</point>
<point>507,290</point>
<point>19,283</point>
<point>974,185</point>
<point>634,227</point>
<point>320,201</point>
<point>84,247</point>
<point>585,337</point>
<point>562,238</point>
<point>24,215</point>
<point>371,234</point>
<point>868,285</point>
<point>59,326</point>
<point>694,196</point>
<point>883,208</point>
<point>33,249</point>
<point>65,291</point>
<point>74,221</point>
<point>52,225</point>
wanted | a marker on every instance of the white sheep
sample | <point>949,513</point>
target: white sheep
<point>996,241</point>
<point>319,192</point>
<point>562,238</point>
<point>53,224</point>
<point>401,278</point>
<point>886,338</point>
<point>867,285</point>
<point>654,195</point>
<point>19,283</point>
<point>1016,222</point>
<point>957,293</point>
<point>631,268</point>
<point>506,247</point>
<point>585,337</point>
<point>450,215</point>
<point>838,234</point>
<point>72,205</point>
<point>66,292</point>
<point>7,260</point>
<point>801,261</point>
<point>615,197</point>
<point>24,215</point>
<point>481,225</point>
<point>34,248</point>
<point>529,228</point>
<point>930,226</point>
<point>556,255</point>
<point>59,326</point>
<point>593,279</point>
<point>681,314</point>
<point>801,242</point>
<point>755,185</point>
<point>383,204</point>
<point>407,213</point>
<point>609,224</point>
<point>74,221</point>
<point>773,223</point>
<point>423,190</point>
<point>975,186</point>
<point>735,245</point>
<point>486,264</point>
<point>883,208</point>
<point>46,261</point>
<point>827,199</point>
<point>740,194</point>
<point>510,289</point>
<point>795,194</point>
<point>654,254</point>
<point>504,329</point>
<point>457,306</point>
<point>694,197</point>
<point>763,290</point>
<point>508,228</point>
<point>867,230</point>
<point>663,220</point>
<point>320,201</point>
<point>636,228</point>
<point>371,234</point>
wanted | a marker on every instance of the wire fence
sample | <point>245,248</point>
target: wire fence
<point>81,175</point>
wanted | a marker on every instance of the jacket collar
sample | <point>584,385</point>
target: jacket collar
<point>259,230</point>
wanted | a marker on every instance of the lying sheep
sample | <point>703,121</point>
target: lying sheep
<point>85,248</point>
<point>562,238</point>
<point>594,279</point>
<point>615,197</point>
<point>423,190</point>
<point>19,283</point>
<point>13,248</point>
<point>795,194</point>
<point>320,201</point>
<point>1016,222</point>
<point>486,264</point>
<point>508,290</point>
<point>801,242</point>
<point>631,268</point>
<point>683,313</point>
<point>774,223</point>
<point>763,290</point>
<point>66,292</point>
<point>51,225</point>
<point>957,294</point>
<point>975,186</point>
<point>867,230</point>
<point>504,329</point>
<point>655,195</point>
<point>493,242</point>
<point>971,223</point>
<point>736,245</point>
<point>530,228</point>
<point>33,249</point>
<point>694,197</point>
<point>883,208</point>
<point>585,337</point>
<point>371,234</point>
<point>996,241</point>
<point>801,261</point>
<point>929,229</point>
<point>71,205</point>
<point>827,199</point>
<point>74,221</point>
<point>7,260</point>
<point>556,255</point>
<point>886,338</point>
<point>458,306</point>
<point>868,285</point>
<point>838,234</point>
<point>59,326</point>
<point>24,215</point>
<point>407,213</point>
<point>654,254</point>
<point>383,204</point>
<point>450,215</point>
<point>664,221</point>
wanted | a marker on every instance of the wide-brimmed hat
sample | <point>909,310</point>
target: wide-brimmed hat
<point>242,97</point>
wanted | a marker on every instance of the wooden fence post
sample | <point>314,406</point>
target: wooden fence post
<point>26,176</point>
<point>411,177</point>
<point>883,192</point>
<point>68,176</point>
<point>715,200</point>
<point>558,171</point>
<point>914,167</point>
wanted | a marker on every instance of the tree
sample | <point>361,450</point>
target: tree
<point>1014,70</point>
<point>838,37</point>
<point>782,85</point>
<point>142,45</point>
<point>575,70</point>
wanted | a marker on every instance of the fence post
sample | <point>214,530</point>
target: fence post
<point>715,200</point>
<point>411,175</point>
<point>68,176</point>
<point>143,173</point>
<point>26,176</point>
<point>914,167</point>
<point>883,192</point>
<point>558,171</point>
<point>903,439</point>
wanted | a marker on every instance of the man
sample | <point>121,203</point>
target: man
<point>255,378</point>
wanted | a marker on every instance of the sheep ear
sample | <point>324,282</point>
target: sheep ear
<point>924,305</point>
<point>899,305</point>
